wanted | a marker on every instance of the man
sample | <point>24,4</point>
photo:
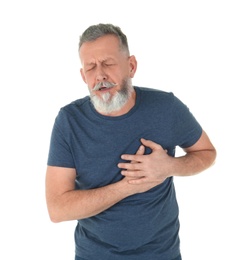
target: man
<point>112,157</point>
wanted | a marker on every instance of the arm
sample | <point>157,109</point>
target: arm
<point>158,166</point>
<point>65,203</point>
<point>198,158</point>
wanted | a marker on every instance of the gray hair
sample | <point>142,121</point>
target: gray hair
<point>96,31</point>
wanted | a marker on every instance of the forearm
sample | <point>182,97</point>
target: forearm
<point>79,204</point>
<point>192,163</point>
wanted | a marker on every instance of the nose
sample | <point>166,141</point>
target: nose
<point>100,74</point>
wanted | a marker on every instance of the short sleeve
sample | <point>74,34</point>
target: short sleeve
<point>59,152</point>
<point>187,129</point>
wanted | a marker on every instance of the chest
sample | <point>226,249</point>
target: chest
<point>97,148</point>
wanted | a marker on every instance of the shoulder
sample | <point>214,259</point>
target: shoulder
<point>155,93</point>
<point>76,104</point>
<point>73,110</point>
<point>156,96</point>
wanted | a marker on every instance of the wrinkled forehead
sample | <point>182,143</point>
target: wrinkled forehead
<point>104,48</point>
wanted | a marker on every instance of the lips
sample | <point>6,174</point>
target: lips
<point>104,88</point>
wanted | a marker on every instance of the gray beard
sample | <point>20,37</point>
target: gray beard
<point>107,103</point>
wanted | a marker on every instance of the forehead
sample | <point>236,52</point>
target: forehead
<point>103,48</point>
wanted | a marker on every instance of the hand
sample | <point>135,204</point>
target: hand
<point>140,151</point>
<point>152,168</point>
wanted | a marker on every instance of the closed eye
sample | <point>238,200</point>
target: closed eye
<point>90,68</point>
<point>109,64</point>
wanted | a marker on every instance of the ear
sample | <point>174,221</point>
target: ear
<point>83,75</point>
<point>132,65</point>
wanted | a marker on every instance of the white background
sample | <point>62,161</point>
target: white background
<point>196,49</point>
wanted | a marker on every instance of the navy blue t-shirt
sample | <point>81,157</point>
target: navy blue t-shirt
<point>143,226</point>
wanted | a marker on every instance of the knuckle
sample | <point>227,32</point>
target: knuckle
<point>135,166</point>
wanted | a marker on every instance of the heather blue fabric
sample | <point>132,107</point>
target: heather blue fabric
<point>177,258</point>
<point>143,226</point>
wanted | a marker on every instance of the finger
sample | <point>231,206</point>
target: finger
<point>151,144</point>
<point>132,174</point>
<point>132,157</point>
<point>129,166</point>
<point>140,180</point>
<point>141,150</point>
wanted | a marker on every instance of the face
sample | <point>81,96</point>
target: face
<point>108,72</point>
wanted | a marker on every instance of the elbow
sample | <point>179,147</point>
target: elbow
<point>55,209</point>
<point>55,219</point>
<point>210,159</point>
<point>207,160</point>
<point>55,215</point>
<point>213,157</point>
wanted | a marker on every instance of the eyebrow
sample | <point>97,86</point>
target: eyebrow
<point>89,63</point>
<point>104,60</point>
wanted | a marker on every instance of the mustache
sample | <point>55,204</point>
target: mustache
<point>104,84</point>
